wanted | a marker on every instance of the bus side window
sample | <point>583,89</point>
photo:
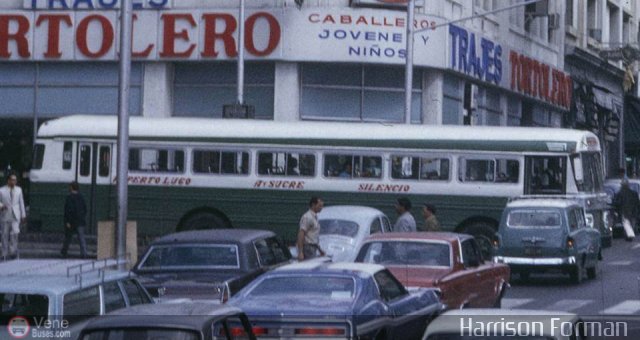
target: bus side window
<point>434,169</point>
<point>205,161</point>
<point>235,162</point>
<point>67,152</point>
<point>479,170</point>
<point>85,160</point>
<point>105,161</point>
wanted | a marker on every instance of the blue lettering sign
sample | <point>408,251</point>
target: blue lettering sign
<point>94,4</point>
<point>484,64</point>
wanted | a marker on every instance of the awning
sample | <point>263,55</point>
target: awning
<point>632,124</point>
<point>603,99</point>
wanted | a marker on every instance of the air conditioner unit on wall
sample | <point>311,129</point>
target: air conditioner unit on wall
<point>595,33</point>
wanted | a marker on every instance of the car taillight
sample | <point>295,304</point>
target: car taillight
<point>570,242</point>
<point>237,331</point>
<point>260,331</point>
<point>320,331</point>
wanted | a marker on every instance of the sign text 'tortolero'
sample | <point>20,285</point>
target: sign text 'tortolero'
<point>485,64</point>
<point>533,78</point>
<point>92,35</point>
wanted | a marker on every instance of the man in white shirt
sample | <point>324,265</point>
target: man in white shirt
<point>12,215</point>
<point>405,222</point>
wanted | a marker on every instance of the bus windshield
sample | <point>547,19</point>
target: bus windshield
<point>592,170</point>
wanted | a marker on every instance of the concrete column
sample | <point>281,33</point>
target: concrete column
<point>432,97</point>
<point>286,92</point>
<point>157,90</point>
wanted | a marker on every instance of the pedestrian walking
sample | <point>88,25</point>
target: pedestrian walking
<point>430,221</point>
<point>627,203</point>
<point>405,221</point>
<point>12,215</point>
<point>75,211</point>
<point>308,242</point>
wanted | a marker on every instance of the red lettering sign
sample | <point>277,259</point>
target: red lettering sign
<point>274,36</point>
<point>211,35</point>
<point>536,79</point>
<point>19,36</point>
<point>107,36</point>
<point>170,35</point>
<point>53,41</point>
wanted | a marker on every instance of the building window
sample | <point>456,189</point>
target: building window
<point>357,93</point>
<point>202,89</point>
<point>485,5</point>
<point>571,13</point>
<point>452,97</point>
<point>56,89</point>
<point>593,23</point>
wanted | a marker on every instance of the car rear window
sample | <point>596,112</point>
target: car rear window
<point>191,256</point>
<point>534,219</point>
<point>22,304</point>
<point>338,227</point>
<point>406,253</point>
<point>322,287</point>
<point>141,334</point>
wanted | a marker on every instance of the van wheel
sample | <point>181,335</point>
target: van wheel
<point>576,273</point>
<point>484,234</point>
<point>204,220</point>
<point>592,272</point>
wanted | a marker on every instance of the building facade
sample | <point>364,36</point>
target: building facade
<point>338,60</point>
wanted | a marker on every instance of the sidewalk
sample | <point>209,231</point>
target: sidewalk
<point>48,245</point>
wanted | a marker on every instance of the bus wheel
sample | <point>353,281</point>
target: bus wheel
<point>484,234</point>
<point>204,220</point>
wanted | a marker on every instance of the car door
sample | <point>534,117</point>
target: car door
<point>479,282</point>
<point>589,238</point>
<point>405,323</point>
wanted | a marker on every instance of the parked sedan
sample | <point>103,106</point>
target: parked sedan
<point>179,321</point>
<point>344,227</point>
<point>448,261</point>
<point>544,233</point>
<point>335,300</point>
<point>209,264</point>
<point>501,324</point>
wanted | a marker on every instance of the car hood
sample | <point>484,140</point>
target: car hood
<point>418,276</point>
<point>286,306</point>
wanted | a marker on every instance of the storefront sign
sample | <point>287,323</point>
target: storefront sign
<point>91,35</point>
<point>478,57</point>
<point>93,4</point>
<point>539,80</point>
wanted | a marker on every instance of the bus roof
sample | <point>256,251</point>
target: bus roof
<point>325,133</point>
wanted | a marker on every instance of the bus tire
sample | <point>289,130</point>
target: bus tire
<point>204,220</point>
<point>484,234</point>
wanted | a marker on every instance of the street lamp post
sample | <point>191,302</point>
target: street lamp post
<point>408,72</point>
<point>123,128</point>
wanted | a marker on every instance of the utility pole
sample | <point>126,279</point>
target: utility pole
<point>241,55</point>
<point>123,129</point>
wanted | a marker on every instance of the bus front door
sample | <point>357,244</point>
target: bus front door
<point>93,173</point>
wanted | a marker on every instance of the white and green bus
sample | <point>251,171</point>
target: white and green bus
<point>191,173</point>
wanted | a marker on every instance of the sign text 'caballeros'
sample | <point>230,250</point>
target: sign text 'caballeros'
<point>157,35</point>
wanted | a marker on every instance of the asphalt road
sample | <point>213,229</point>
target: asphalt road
<point>614,295</point>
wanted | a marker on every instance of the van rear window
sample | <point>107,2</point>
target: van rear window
<point>534,219</point>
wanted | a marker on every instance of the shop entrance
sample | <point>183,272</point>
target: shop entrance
<point>16,142</point>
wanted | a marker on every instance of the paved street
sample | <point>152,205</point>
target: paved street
<point>613,296</point>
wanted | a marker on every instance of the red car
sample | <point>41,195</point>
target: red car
<point>448,261</point>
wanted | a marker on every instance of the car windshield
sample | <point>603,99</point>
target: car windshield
<point>191,256</point>
<point>534,219</point>
<point>141,334</point>
<point>316,286</point>
<point>338,227</point>
<point>406,253</point>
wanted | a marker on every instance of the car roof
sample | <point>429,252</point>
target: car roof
<point>450,321</point>
<point>420,235</point>
<point>179,314</point>
<point>351,212</point>
<point>55,277</point>
<point>215,235</point>
<point>316,266</point>
<point>543,203</point>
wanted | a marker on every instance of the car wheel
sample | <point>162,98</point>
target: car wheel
<point>382,335</point>
<point>592,272</point>
<point>484,234</point>
<point>576,273</point>
<point>204,220</point>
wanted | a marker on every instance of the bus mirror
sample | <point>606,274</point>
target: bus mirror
<point>577,169</point>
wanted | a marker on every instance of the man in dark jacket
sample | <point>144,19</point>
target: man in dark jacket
<point>75,210</point>
<point>628,205</point>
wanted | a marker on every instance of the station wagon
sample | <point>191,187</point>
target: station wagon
<point>544,233</point>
